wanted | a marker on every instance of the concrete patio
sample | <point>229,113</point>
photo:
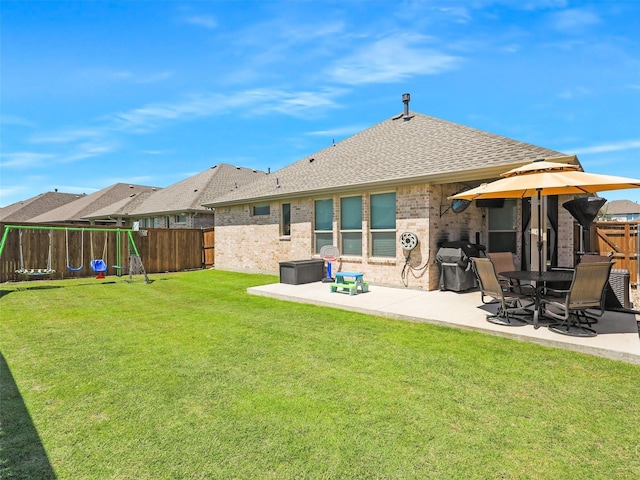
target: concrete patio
<point>617,337</point>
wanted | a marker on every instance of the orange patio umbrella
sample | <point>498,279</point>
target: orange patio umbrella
<point>543,177</point>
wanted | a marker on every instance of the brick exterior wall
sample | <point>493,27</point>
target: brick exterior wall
<point>254,244</point>
<point>565,233</point>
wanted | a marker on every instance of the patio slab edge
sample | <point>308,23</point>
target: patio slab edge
<point>589,350</point>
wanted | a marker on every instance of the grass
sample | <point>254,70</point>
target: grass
<point>190,377</point>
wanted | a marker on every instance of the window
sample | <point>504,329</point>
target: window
<point>323,223</point>
<point>502,227</point>
<point>383,225</point>
<point>182,218</point>
<point>286,219</point>
<point>351,225</point>
<point>259,210</point>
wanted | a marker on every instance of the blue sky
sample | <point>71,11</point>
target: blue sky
<point>146,92</point>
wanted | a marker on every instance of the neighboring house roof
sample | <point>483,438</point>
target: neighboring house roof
<point>401,150</point>
<point>190,194</point>
<point>79,209</point>
<point>121,208</point>
<point>620,207</point>
<point>26,210</point>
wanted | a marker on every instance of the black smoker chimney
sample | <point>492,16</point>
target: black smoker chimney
<point>405,99</point>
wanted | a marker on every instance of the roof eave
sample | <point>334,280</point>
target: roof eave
<point>478,174</point>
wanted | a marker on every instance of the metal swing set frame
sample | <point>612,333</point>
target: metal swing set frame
<point>135,261</point>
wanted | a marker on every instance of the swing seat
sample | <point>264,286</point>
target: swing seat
<point>98,265</point>
<point>75,269</point>
<point>35,271</point>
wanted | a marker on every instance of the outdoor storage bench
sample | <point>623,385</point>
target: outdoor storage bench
<point>301,271</point>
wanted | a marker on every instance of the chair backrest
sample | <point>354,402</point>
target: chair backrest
<point>487,277</point>
<point>589,284</point>
<point>502,261</point>
<point>592,257</point>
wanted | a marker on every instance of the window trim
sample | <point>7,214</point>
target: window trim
<point>372,230</point>
<point>317,232</point>
<point>258,205</point>
<point>284,232</point>
<point>514,231</point>
<point>342,231</point>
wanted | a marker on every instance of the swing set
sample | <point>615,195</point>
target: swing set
<point>98,265</point>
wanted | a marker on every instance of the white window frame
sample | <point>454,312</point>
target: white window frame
<point>322,232</point>
<point>257,206</point>
<point>284,232</point>
<point>351,230</point>
<point>373,231</point>
<point>495,211</point>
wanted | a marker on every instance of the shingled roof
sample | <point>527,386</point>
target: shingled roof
<point>621,207</point>
<point>26,210</point>
<point>405,149</point>
<point>78,210</point>
<point>121,208</point>
<point>190,194</point>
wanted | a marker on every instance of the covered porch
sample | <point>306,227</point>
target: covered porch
<point>618,332</point>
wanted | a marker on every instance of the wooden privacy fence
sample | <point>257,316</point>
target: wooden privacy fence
<point>161,250</point>
<point>621,239</point>
<point>209,245</point>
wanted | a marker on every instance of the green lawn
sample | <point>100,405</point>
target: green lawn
<point>190,377</point>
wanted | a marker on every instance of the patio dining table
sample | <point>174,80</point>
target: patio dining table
<point>539,279</point>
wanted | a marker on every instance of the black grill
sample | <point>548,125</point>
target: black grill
<point>454,260</point>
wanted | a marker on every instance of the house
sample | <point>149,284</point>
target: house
<point>119,211</point>
<point>179,205</point>
<point>25,210</point>
<point>76,212</point>
<point>362,193</point>
<point>620,211</point>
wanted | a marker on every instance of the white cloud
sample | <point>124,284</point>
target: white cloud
<point>206,21</point>
<point>257,102</point>
<point>12,191</point>
<point>459,13</point>
<point>85,143</point>
<point>108,74</point>
<point>85,151</point>
<point>67,136</point>
<point>154,152</point>
<point>148,117</point>
<point>15,120</point>
<point>511,48</point>
<point>25,159</point>
<point>574,92</point>
<point>290,103</point>
<point>574,19</point>
<point>391,60</point>
<point>608,147</point>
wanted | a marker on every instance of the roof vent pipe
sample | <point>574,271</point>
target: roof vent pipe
<point>405,99</point>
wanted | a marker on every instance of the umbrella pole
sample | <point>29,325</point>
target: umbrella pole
<point>540,269</point>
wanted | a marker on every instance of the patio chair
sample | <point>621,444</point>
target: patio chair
<point>510,301</point>
<point>504,262</point>
<point>560,287</point>
<point>586,292</point>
